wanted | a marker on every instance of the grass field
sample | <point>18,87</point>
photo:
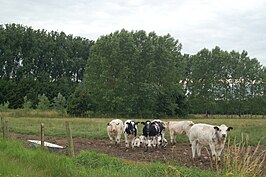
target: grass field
<point>18,161</point>
<point>252,129</point>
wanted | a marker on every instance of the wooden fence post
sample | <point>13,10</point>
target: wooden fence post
<point>3,127</point>
<point>69,140</point>
<point>42,135</point>
<point>6,129</point>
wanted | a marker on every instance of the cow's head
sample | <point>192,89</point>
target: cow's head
<point>145,123</point>
<point>221,132</point>
<point>131,127</point>
<point>113,126</point>
<point>191,123</point>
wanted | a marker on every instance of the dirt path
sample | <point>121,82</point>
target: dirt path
<point>180,153</point>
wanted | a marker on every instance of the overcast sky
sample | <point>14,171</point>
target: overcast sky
<point>197,24</point>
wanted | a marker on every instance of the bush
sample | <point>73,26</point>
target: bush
<point>79,102</point>
<point>27,103</point>
<point>44,103</point>
<point>4,106</point>
<point>59,102</point>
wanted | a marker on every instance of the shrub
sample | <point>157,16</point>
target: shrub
<point>44,103</point>
<point>27,103</point>
<point>59,102</point>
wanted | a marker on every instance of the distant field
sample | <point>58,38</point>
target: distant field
<point>252,128</point>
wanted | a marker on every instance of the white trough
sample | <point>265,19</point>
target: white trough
<point>46,144</point>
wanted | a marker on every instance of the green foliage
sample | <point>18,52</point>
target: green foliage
<point>44,103</point>
<point>225,83</point>
<point>27,103</point>
<point>59,102</point>
<point>80,102</point>
<point>37,62</point>
<point>129,73</point>
<point>4,106</point>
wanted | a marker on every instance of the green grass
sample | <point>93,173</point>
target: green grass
<point>15,161</point>
<point>96,127</point>
<point>18,161</point>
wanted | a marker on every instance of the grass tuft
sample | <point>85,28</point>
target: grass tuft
<point>243,160</point>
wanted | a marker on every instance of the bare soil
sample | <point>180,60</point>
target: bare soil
<point>177,154</point>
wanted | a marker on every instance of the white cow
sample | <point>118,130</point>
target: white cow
<point>139,141</point>
<point>204,134</point>
<point>115,129</point>
<point>178,128</point>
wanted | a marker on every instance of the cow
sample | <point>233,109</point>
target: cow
<point>130,132</point>
<point>178,128</point>
<point>205,134</point>
<point>115,129</point>
<point>152,130</point>
<point>159,142</point>
<point>163,126</point>
<point>139,141</point>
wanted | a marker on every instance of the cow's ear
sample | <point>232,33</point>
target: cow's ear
<point>128,123</point>
<point>117,124</point>
<point>143,123</point>
<point>229,128</point>
<point>108,124</point>
<point>216,128</point>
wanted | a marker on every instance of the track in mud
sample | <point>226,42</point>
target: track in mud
<point>179,154</point>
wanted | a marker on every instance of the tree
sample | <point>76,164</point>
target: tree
<point>36,62</point>
<point>44,103</point>
<point>223,82</point>
<point>59,103</point>
<point>27,103</point>
<point>80,102</point>
<point>128,73</point>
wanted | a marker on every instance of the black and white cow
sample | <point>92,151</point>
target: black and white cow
<point>130,132</point>
<point>151,131</point>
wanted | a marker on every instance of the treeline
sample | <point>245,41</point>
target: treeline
<point>221,82</point>
<point>37,62</point>
<point>126,74</point>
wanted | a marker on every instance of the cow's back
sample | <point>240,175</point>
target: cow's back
<point>201,132</point>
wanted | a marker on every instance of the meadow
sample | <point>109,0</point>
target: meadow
<point>18,161</point>
<point>251,129</point>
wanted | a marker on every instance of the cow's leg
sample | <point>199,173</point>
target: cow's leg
<point>199,146</point>
<point>219,151</point>
<point>172,136</point>
<point>126,141</point>
<point>212,147</point>
<point>162,143</point>
<point>132,142</point>
<point>156,141</point>
<point>147,143</point>
<point>118,137</point>
<point>193,148</point>
<point>110,137</point>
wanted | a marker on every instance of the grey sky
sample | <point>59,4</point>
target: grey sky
<point>197,24</point>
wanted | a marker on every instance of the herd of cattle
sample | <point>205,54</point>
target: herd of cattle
<point>153,134</point>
